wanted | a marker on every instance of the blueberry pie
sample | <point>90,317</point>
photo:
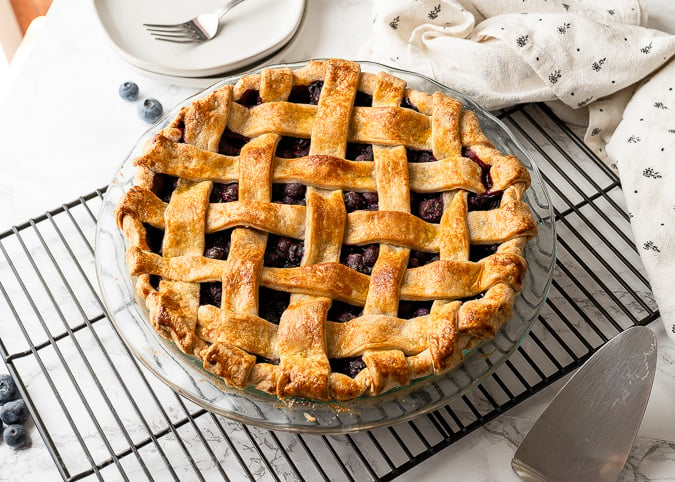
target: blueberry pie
<point>326,233</point>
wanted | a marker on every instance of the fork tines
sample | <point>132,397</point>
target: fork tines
<point>180,33</point>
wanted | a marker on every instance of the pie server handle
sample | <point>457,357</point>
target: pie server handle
<point>587,431</point>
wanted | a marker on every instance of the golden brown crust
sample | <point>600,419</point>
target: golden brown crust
<point>471,299</point>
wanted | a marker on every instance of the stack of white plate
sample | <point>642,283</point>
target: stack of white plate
<point>250,33</point>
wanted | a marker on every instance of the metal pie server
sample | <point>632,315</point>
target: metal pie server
<point>587,431</point>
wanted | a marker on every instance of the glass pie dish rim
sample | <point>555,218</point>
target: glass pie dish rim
<point>184,374</point>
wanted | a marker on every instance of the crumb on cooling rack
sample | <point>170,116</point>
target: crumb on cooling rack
<point>310,418</point>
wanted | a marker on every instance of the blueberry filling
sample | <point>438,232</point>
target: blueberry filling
<point>210,293</point>
<point>224,193</point>
<point>154,237</point>
<point>427,206</point>
<point>154,281</point>
<point>413,309</point>
<point>360,258</point>
<point>163,185</point>
<point>420,155</point>
<point>282,252</point>
<point>485,176</point>
<point>250,98</point>
<point>306,94</point>
<point>355,201</point>
<point>341,312</point>
<point>349,366</point>
<point>292,147</point>
<point>480,251</point>
<point>272,304</point>
<point>359,152</point>
<point>408,105</point>
<point>231,143</point>
<point>363,100</point>
<point>181,128</point>
<point>292,193</point>
<point>488,200</point>
<point>484,202</point>
<point>262,359</point>
<point>420,258</point>
<point>217,245</point>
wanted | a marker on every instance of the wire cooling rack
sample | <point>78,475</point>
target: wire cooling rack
<point>104,416</point>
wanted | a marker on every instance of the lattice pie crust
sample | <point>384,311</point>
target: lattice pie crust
<point>373,269</point>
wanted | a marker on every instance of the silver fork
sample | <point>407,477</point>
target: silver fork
<point>200,29</point>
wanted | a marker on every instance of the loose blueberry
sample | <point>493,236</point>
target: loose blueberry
<point>8,389</point>
<point>15,435</point>
<point>14,412</point>
<point>128,91</point>
<point>150,110</point>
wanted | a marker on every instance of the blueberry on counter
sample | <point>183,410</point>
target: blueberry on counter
<point>15,435</point>
<point>14,412</point>
<point>128,91</point>
<point>150,110</point>
<point>8,389</point>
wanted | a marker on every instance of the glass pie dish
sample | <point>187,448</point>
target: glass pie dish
<point>185,373</point>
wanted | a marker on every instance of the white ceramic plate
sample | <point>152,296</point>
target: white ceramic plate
<point>249,32</point>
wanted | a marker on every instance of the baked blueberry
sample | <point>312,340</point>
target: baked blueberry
<point>349,366</point>
<point>224,193</point>
<point>230,143</point>
<point>360,258</point>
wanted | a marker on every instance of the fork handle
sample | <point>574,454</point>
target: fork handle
<point>226,8</point>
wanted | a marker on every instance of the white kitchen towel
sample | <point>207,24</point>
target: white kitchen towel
<point>592,58</point>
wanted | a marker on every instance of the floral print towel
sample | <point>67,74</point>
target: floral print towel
<point>597,59</point>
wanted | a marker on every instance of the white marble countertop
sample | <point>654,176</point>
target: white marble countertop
<point>64,131</point>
